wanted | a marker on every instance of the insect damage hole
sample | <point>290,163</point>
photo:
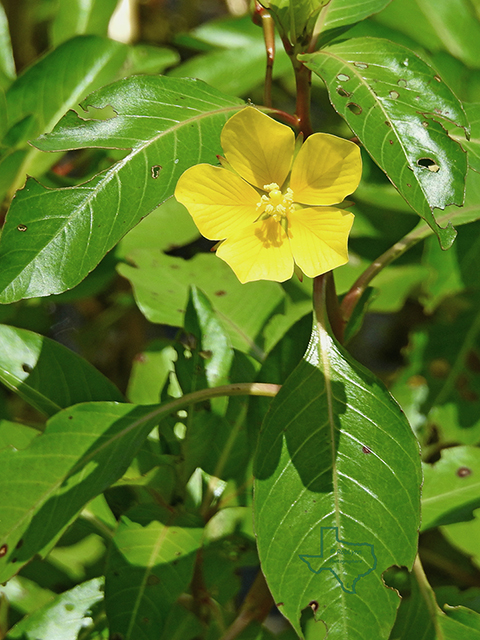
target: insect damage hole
<point>156,171</point>
<point>354,108</point>
<point>428,163</point>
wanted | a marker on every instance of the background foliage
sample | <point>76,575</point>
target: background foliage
<point>126,475</point>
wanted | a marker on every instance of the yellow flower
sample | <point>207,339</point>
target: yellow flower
<point>273,211</point>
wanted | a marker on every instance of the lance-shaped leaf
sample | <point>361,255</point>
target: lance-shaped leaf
<point>394,102</point>
<point>48,375</point>
<point>337,493</point>
<point>150,564</point>
<point>54,237</point>
<point>39,97</point>
<point>341,14</point>
<point>83,450</point>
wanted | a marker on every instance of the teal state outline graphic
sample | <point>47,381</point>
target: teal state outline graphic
<point>349,551</point>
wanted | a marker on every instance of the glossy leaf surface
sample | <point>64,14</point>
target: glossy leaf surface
<point>394,102</point>
<point>336,493</point>
<point>48,375</point>
<point>54,237</point>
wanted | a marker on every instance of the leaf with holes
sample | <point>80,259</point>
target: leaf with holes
<point>394,103</point>
<point>337,493</point>
<point>150,564</point>
<point>54,237</point>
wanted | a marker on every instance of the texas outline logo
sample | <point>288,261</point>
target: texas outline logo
<point>349,553</point>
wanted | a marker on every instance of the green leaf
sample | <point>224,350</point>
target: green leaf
<point>295,19</point>
<point>419,616</point>
<point>145,58</point>
<point>465,536</point>
<point>55,83</point>
<point>24,595</point>
<point>54,237</point>
<point>202,321</point>
<point>7,63</point>
<point>150,371</point>
<point>48,375</point>
<point>376,85</point>
<point>63,617</point>
<point>451,489</point>
<point>232,43</point>
<point>215,68</point>
<point>439,24</point>
<point>77,17</point>
<point>339,14</point>
<point>336,493</point>
<point>168,227</point>
<point>163,298</point>
<point>83,450</point>
<point>18,436</point>
<point>151,563</point>
<point>473,144</point>
<point>455,271</point>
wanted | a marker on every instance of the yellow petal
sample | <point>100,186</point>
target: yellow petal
<point>219,202</point>
<point>257,147</point>
<point>318,238</point>
<point>259,252</point>
<point>326,170</point>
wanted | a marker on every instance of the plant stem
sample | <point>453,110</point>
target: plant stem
<point>268,26</point>
<point>239,389</point>
<point>350,300</point>
<point>303,80</point>
<point>256,606</point>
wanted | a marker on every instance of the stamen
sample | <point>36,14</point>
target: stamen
<point>276,204</point>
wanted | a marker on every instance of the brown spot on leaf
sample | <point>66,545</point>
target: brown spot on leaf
<point>366,449</point>
<point>463,472</point>
<point>3,550</point>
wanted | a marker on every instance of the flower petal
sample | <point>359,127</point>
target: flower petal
<point>219,202</point>
<point>318,238</point>
<point>257,147</point>
<point>325,170</point>
<point>259,252</point>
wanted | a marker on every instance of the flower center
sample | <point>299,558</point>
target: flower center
<point>276,205</point>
